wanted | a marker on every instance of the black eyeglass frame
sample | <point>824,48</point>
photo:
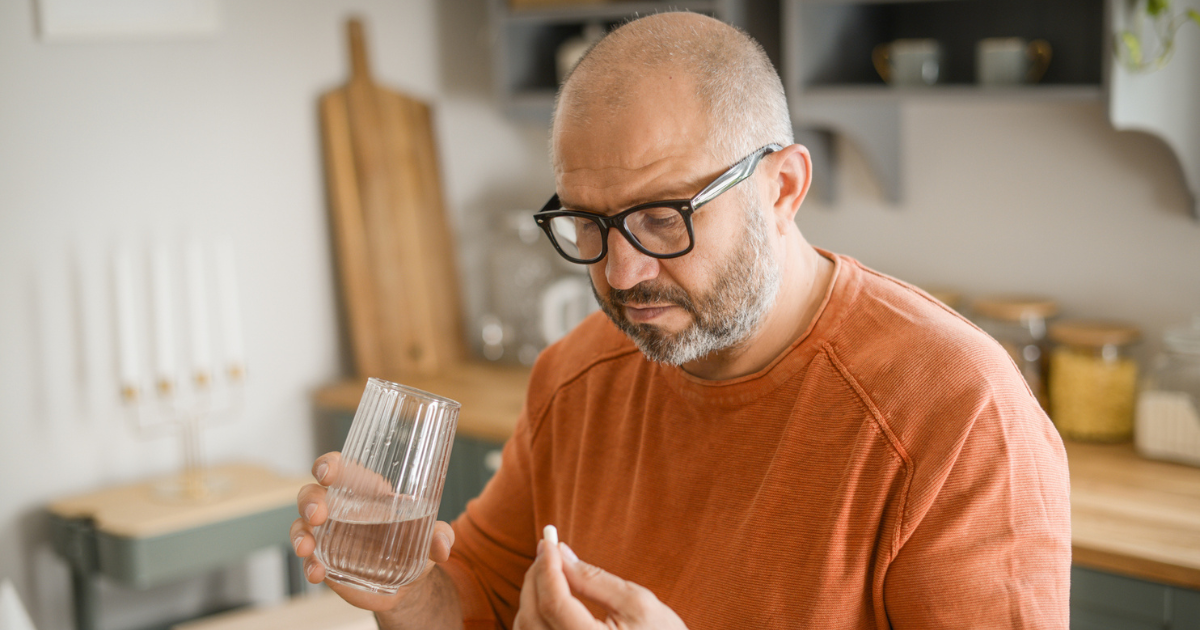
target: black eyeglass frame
<point>686,207</point>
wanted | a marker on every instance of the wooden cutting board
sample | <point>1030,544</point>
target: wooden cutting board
<point>394,250</point>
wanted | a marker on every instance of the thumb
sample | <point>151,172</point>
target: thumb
<point>624,600</point>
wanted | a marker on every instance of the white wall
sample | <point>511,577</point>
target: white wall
<point>1012,197</point>
<point>134,142</point>
<point>109,142</point>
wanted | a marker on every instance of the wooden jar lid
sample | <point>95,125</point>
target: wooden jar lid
<point>1015,308</point>
<point>1095,333</point>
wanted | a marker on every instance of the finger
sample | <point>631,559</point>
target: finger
<point>314,571</point>
<point>311,504</point>
<point>302,538</point>
<point>443,541</point>
<point>555,604</point>
<point>327,468</point>
<point>623,599</point>
<point>528,617</point>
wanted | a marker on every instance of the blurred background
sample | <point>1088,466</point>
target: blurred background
<point>148,144</point>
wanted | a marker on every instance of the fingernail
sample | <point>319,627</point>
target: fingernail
<point>308,569</point>
<point>296,543</point>
<point>445,540</point>
<point>568,553</point>
<point>321,470</point>
<point>541,545</point>
<point>310,510</point>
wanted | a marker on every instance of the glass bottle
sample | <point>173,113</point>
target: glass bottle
<point>1093,380</point>
<point>521,263</point>
<point>1019,324</point>
<point>1168,420</point>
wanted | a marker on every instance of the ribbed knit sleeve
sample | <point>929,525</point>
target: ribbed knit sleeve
<point>496,540</point>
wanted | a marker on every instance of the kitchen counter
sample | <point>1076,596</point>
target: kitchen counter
<point>1129,515</point>
<point>1134,516</point>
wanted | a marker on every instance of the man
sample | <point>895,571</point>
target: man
<point>756,433</point>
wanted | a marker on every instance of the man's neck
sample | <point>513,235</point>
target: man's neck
<point>804,281</point>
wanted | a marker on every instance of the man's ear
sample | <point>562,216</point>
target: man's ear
<point>793,176</point>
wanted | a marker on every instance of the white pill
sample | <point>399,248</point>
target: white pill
<point>550,534</point>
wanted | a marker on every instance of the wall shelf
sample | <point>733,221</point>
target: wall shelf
<point>616,11</point>
<point>833,86</point>
<point>966,93</point>
<point>525,43</point>
<point>1165,103</point>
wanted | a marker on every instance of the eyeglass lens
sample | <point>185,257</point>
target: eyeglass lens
<point>660,230</point>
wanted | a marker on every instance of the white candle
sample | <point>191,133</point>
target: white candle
<point>231,320</point>
<point>127,342</point>
<point>164,317</point>
<point>198,313</point>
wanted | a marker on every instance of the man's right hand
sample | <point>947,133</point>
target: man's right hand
<point>314,511</point>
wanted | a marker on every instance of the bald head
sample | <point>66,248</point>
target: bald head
<point>728,78</point>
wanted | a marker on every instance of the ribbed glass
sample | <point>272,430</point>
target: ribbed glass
<point>382,509</point>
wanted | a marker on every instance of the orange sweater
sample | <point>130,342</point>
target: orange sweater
<point>891,469</point>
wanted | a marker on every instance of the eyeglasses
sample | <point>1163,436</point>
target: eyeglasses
<point>662,229</point>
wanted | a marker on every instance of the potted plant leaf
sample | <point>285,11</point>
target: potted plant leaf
<point>1148,41</point>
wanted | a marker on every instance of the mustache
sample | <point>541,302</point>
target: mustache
<point>648,293</point>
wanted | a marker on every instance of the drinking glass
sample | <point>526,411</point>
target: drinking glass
<point>384,504</point>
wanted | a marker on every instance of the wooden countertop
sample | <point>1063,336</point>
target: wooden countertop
<point>491,396</point>
<point>1134,516</point>
<point>323,611</point>
<point>142,510</point>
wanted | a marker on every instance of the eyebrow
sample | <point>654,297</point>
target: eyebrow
<point>670,194</point>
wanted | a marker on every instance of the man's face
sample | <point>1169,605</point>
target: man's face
<point>726,314</point>
<point>680,309</point>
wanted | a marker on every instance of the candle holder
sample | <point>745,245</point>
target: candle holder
<point>173,404</point>
<point>187,412</point>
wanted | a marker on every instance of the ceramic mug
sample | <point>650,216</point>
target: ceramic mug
<point>1011,60</point>
<point>908,62</point>
<point>565,303</point>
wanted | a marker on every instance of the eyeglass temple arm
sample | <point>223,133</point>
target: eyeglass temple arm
<point>732,177</point>
<point>553,204</point>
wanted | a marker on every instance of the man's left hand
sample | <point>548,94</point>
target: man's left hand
<point>547,602</point>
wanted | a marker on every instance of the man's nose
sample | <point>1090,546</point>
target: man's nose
<point>625,266</point>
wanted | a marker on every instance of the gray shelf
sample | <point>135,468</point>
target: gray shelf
<point>524,43</point>
<point>833,88</point>
<point>965,93</point>
<point>605,11</point>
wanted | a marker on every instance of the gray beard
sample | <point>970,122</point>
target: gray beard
<point>725,317</point>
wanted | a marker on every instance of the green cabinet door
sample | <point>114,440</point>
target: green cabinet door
<point>1104,601</point>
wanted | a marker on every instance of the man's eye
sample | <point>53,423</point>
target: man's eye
<point>658,219</point>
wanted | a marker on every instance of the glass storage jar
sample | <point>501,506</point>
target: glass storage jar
<point>1093,380</point>
<point>1019,324</point>
<point>949,297</point>
<point>1168,422</point>
<point>520,265</point>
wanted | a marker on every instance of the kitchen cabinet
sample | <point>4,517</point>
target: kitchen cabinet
<point>1104,601</point>
<point>1135,540</point>
<point>833,86</point>
<point>127,535</point>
